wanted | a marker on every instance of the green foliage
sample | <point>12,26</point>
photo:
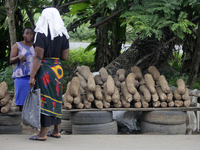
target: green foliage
<point>6,75</point>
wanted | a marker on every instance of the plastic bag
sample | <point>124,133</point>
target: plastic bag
<point>31,109</point>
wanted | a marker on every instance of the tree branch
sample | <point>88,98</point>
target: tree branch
<point>71,3</point>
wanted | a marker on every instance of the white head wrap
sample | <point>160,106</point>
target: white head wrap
<point>50,18</point>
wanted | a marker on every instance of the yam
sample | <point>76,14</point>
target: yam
<point>80,106</point>
<point>169,96</point>
<point>150,83</point>
<point>121,74</point>
<point>161,94</point>
<point>137,84</point>
<point>163,104</point>
<point>144,103</point>
<point>156,104</point>
<point>136,70</point>
<point>98,104</point>
<point>89,95</point>
<point>7,107</point>
<point>125,92</point>
<point>105,103</point>
<point>187,103</point>
<point>77,99</point>
<point>117,82</point>
<point>83,82</point>
<point>177,96</point>
<point>91,83</point>
<point>124,102</point>
<point>138,104</point>
<point>130,83</point>
<point>84,71</point>
<point>67,105</point>
<point>142,81</point>
<point>75,86</point>
<point>82,90</point>
<point>115,97</point>
<point>164,85</point>
<point>154,72</point>
<point>118,104</point>
<point>171,104</point>
<point>67,97</point>
<point>185,96</point>
<point>98,95</point>
<point>107,96</point>
<point>136,96</point>
<point>86,103</point>
<point>5,99</point>
<point>181,86</point>
<point>104,74</point>
<point>3,89</point>
<point>147,95</point>
<point>155,97</point>
<point>98,80</point>
<point>178,103</point>
<point>110,85</point>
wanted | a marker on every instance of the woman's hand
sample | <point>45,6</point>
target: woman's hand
<point>32,82</point>
<point>22,58</point>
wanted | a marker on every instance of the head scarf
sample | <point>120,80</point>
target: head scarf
<point>50,18</point>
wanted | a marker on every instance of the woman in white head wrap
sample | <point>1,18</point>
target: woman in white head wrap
<point>51,44</point>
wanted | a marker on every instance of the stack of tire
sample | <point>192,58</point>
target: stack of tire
<point>66,124</point>
<point>164,122</point>
<point>10,123</point>
<point>93,122</point>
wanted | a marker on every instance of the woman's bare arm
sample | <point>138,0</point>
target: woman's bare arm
<point>64,54</point>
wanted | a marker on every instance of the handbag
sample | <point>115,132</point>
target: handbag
<point>31,109</point>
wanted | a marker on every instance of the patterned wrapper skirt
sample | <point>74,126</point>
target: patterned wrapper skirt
<point>48,79</point>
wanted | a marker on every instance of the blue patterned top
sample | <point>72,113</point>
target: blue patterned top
<point>23,69</point>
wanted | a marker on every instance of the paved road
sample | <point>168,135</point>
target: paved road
<point>102,142</point>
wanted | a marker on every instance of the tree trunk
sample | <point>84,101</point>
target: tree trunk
<point>30,16</point>
<point>10,9</point>
<point>195,62</point>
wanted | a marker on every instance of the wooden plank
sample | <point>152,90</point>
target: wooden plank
<point>140,109</point>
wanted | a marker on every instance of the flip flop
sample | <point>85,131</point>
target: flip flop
<point>35,138</point>
<point>51,135</point>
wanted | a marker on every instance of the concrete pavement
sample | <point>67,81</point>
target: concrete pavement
<point>102,142</point>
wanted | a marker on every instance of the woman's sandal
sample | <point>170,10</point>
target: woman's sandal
<point>51,135</point>
<point>35,138</point>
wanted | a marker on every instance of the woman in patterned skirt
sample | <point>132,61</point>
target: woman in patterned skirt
<point>51,46</point>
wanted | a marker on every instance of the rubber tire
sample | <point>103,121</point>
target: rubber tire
<point>66,125</point>
<point>146,127</point>
<point>11,129</point>
<point>165,117</point>
<point>10,120</point>
<point>106,128</point>
<point>65,114</point>
<point>90,117</point>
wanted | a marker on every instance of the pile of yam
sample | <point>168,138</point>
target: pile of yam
<point>133,90</point>
<point>5,99</point>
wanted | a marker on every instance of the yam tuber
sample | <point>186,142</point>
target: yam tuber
<point>155,97</point>
<point>98,104</point>
<point>125,92</point>
<point>84,71</point>
<point>107,96</point>
<point>124,102</point>
<point>130,83</point>
<point>169,97</point>
<point>177,96</point>
<point>150,83</point>
<point>98,93</point>
<point>75,86</point>
<point>115,97</point>
<point>156,104</point>
<point>110,85</point>
<point>161,94</point>
<point>136,96</point>
<point>147,95</point>
<point>3,89</point>
<point>105,103</point>
<point>163,104</point>
<point>83,82</point>
<point>181,86</point>
<point>67,105</point>
<point>121,74</point>
<point>178,103</point>
<point>104,74</point>
<point>138,104</point>
<point>80,106</point>
<point>117,82</point>
<point>144,103</point>
<point>86,103</point>
<point>98,80</point>
<point>186,103</point>
<point>89,95</point>
<point>118,104</point>
<point>154,72</point>
<point>185,96</point>
<point>7,107</point>
<point>171,104</point>
<point>5,99</point>
<point>91,83</point>
<point>164,85</point>
<point>77,99</point>
<point>136,70</point>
